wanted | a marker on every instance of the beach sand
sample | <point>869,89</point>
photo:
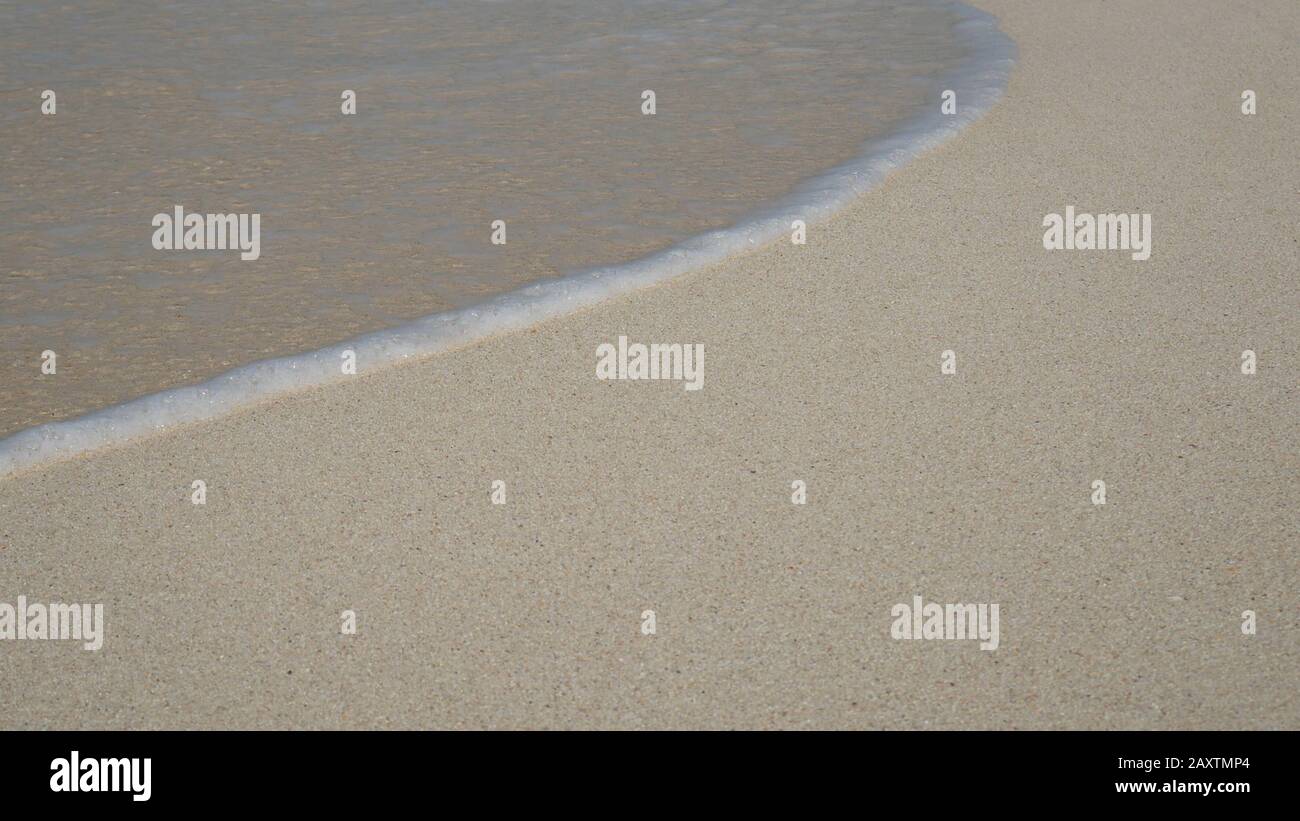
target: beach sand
<point>822,365</point>
<point>467,116</point>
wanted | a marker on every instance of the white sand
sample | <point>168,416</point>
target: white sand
<point>822,365</point>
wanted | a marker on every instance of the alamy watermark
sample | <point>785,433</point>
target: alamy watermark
<point>946,621</point>
<point>654,361</point>
<point>57,621</point>
<point>1102,232</point>
<point>208,232</point>
<point>77,774</point>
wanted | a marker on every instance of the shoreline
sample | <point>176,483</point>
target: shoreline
<point>979,81</point>
<point>373,496</point>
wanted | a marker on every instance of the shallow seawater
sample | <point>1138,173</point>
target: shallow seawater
<point>467,112</point>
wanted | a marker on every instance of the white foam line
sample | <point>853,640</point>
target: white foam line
<point>979,81</point>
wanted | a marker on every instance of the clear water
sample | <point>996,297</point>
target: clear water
<point>467,112</point>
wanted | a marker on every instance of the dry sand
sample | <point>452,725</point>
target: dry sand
<point>822,365</point>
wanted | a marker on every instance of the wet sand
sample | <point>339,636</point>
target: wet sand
<point>465,116</point>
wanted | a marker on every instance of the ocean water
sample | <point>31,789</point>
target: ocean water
<point>376,227</point>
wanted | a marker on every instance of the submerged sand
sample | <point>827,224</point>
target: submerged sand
<point>465,116</point>
<point>822,365</point>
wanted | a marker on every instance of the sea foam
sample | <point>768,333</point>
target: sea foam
<point>979,80</point>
